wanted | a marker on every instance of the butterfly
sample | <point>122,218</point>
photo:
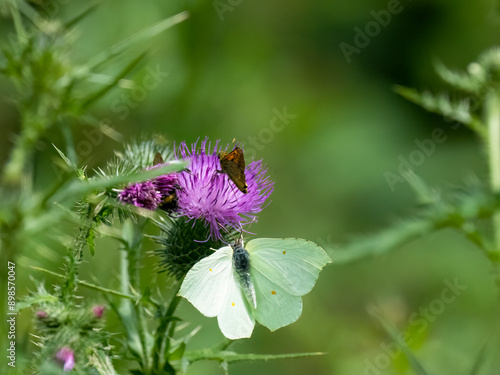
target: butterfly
<point>263,282</point>
<point>158,159</point>
<point>233,164</point>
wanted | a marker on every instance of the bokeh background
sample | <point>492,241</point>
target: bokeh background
<point>229,74</point>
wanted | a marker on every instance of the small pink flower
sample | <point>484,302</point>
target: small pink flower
<point>66,357</point>
<point>40,314</point>
<point>98,311</point>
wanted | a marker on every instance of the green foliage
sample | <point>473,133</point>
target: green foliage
<point>79,210</point>
<point>463,210</point>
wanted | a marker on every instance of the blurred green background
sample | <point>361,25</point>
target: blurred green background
<point>226,76</point>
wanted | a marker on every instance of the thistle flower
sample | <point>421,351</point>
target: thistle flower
<point>166,184</point>
<point>98,311</point>
<point>66,357</point>
<point>41,314</point>
<point>206,194</point>
<point>141,194</point>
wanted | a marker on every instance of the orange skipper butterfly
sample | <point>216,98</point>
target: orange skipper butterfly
<point>233,164</point>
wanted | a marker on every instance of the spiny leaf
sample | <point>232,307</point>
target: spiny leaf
<point>178,352</point>
<point>90,241</point>
<point>457,214</point>
<point>101,362</point>
<point>425,195</point>
<point>137,38</point>
<point>96,96</point>
<point>470,82</point>
<point>30,13</point>
<point>93,286</point>
<point>232,357</point>
<point>490,60</point>
<point>65,158</point>
<point>441,104</point>
<point>384,241</point>
<point>82,15</point>
<point>77,189</point>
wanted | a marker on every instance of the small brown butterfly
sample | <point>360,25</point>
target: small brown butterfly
<point>233,164</point>
<point>158,159</point>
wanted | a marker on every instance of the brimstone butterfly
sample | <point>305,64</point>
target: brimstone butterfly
<point>263,282</point>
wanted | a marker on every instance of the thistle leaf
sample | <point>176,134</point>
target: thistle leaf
<point>96,96</point>
<point>137,38</point>
<point>65,158</point>
<point>469,82</point>
<point>458,214</point>
<point>442,105</point>
<point>76,189</point>
<point>233,357</point>
<point>71,23</point>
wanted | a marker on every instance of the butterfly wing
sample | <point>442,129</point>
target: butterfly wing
<point>235,319</point>
<point>158,159</point>
<point>206,283</point>
<point>233,164</point>
<point>282,270</point>
<point>212,287</point>
<point>298,262</point>
<point>276,307</point>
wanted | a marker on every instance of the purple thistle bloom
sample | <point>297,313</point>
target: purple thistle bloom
<point>206,194</point>
<point>98,311</point>
<point>41,314</point>
<point>166,183</point>
<point>66,357</point>
<point>141,194</point>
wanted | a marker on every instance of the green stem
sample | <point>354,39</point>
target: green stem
<point>76,254</point>
<point>18,24</point>
<point>129,276</point>
<point>165,330</point>
<point>135,299</point>
<point>492,112</point>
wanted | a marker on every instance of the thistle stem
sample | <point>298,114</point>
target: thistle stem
<point>492,118</point>
<point>165,330</point>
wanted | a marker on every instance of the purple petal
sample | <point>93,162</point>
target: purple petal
<point>66,356</point>
<point>141,194</point>
<point>206,194</point>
